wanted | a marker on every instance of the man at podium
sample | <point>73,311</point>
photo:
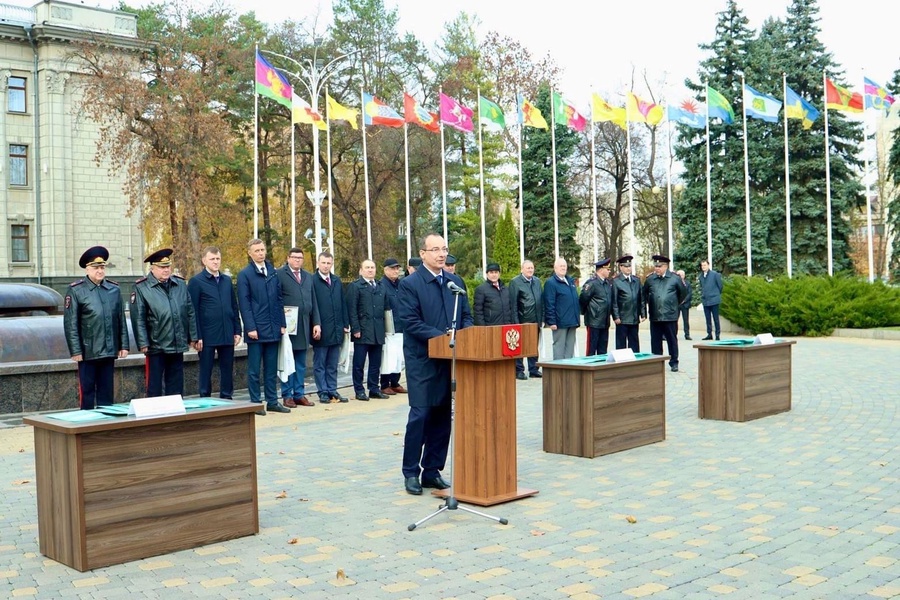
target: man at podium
<point>426,308</point>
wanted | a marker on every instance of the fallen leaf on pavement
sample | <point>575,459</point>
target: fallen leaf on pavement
<point>340,574</point>
<point>631,519</point>
<point>293,541</point>
<point>283,494</point>
<point>21,482</point>
<point>537,532</point>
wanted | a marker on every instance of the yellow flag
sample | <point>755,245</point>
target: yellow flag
<point>602,111</point>
<point>302,112</point>
<point>336,112</point>
<point>643,111</point>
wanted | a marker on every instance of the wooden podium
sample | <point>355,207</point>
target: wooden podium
<point>484,438</point>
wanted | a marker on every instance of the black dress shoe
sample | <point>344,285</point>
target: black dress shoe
<point>362,397</point>
<point>438,483</point>
<point>709,337</point>
<point>521,376</point>
<point>378,394</point>
<point>536,374</point>
<point>717,338</point>
<point>687,337</point>
<point>261,412</point>
<point>674,369</point>
<point>277,408</point>
<point>413,486</point>
<point>339,398</point>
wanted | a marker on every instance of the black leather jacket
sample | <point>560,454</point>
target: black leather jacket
<point>94,320</point>
<point>162,316</point>
<point>663,295</point>
<point>628,300</point>
<point>526,300</point>
<point>596,303</point>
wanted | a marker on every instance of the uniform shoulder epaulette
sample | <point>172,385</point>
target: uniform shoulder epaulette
<point>74,283</point>
<point>115,283</point>
<point>177,276</point>
<point>141,280</point>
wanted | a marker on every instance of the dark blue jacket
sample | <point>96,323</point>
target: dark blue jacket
<point>262,308</point>
<point>216,308</point>
<point>426,310</point>
<point>332,310</point>
<point>391,289</point>
<point>365,307</point>
<point>561,306</point>
<point>300,295</point>
<point>710,288</point>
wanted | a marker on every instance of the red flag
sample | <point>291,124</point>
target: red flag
<point>418,115</point>
<point>839,98</point>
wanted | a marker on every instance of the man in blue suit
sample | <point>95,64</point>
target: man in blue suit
<point>711,298</point>
<point>425,306</point>
<point>262,310</point>
<point>218,323</point>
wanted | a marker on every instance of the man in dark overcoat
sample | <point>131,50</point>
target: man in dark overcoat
<point>426,307</point>
<point>329,294</point>
<point>526,300</point>
<point>218,323</point>
<point>663,293</point>
<point>297,292</point>
<point>365,308</point>
<point>392,354</point>
<point>492,305</point>
<point>628,309</point>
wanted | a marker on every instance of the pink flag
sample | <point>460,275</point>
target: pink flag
<point>456,115</point>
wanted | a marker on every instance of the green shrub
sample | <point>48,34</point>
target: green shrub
<point>808,306</point>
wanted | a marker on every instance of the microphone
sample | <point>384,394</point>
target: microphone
<point>455,289</point>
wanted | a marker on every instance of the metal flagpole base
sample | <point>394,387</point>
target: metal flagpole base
<point>451,503</point>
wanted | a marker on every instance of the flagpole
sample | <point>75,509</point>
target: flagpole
<point>746,178</point>
<point>594,193</point>
<point>708,189</point>
<point>255,156</point>
<point>294,183</point>
<point>630,182</point>
<point>481,186</point>
<point>317,183</point>
<point>521,204</point>
<point>443,175</point>
<point>406,169</point>
<point>329,175</point>
<point>871,253</point>
<point>827,178</point>
<point>669,194</point>
<point>366,175</point>
<point>787,182</point>
<point>553,156</point>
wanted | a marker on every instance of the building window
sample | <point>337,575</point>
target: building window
<point>18,164</point>
<point>16,95</point>
<point>20,243</point>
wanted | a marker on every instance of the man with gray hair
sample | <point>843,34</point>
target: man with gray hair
<point>527,305</point>
<point>562,312</point>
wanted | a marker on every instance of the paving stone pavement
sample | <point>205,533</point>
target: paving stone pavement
<point>805,504</point>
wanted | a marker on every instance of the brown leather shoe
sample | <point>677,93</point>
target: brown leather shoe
<point>399,389</point>
<point>388,391</point>
<point>304,401</point>
<point>289,403</point>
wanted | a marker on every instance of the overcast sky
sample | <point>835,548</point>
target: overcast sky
<point>602,44</point>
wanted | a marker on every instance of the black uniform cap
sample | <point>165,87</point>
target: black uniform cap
<point>160,258</point>
<point>97,256</point>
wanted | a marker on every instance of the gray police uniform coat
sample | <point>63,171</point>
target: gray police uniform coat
<point>426,309</point>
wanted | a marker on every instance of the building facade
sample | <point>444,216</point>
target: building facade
<point>55,200</point>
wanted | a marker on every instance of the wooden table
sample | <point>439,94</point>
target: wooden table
<point>122,489</point>
<point>601,408</point>
<point>742,383</point>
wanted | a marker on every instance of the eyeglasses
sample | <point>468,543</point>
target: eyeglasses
<point>443,250</point>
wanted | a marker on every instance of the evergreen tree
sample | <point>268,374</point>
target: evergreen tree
<point>722,71</point>
<point>893,212</point>
<point>506,245</point>
<point>537,193</point>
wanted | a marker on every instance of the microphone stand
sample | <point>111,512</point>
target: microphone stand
<point>450,502</point>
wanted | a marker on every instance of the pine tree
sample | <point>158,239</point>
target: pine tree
<point>506,245</point>
<point>893,213</point>
<point>537,193</point>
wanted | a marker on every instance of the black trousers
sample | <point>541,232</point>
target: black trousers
<point>226,370</point>
<point>627,337</point>
<point>389,380</point>
<point>95,382</point>
<point>598,341</point>
<point>360,352</point>
<point>685,319</point>
<point>427,441</point>
<point>165,368</point>
<point>532,365</point>
<point>665,330</point>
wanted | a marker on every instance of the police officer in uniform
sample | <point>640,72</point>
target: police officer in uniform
<point>628,310</point>
<point>162,317</point>
<point>663,293</point>
<point>95,328</point>
<point>596,305</point>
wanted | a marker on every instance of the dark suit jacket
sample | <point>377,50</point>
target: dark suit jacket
<point>300,295</point>
<point>365,308</point>
<point>260,300</point>
<point>216,308</point>
<point>426,309</point>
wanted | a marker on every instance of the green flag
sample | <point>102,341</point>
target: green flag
<point>491,115</point>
